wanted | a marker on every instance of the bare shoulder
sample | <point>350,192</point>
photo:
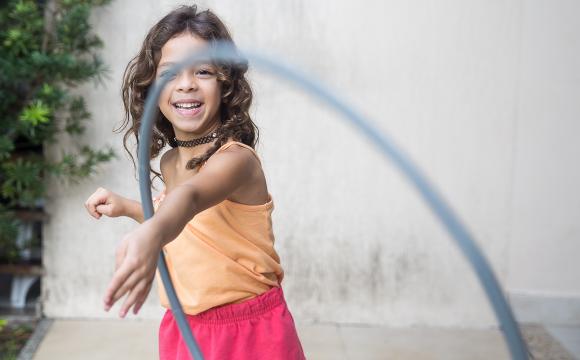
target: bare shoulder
<point>166,162</point>
<point>242,154</point>
<point>246,168</point>
<point>236,156</point>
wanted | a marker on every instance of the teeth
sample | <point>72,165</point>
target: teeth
<point>188,105</point>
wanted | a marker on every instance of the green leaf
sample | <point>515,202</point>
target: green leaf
<point>13,35</point>
<point>47,90</point>
<point>35,113</point>
<point>78,114</point>
<point>23,181</point>
<point>6,146</point>
<point>23,8</point>
<point>78,166</point>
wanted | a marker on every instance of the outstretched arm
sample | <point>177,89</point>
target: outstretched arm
<point>134,210</point>
<point>222,174</point>
<point>105,202</point>
<point>136,256</point>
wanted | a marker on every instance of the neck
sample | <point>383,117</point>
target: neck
<point>184,154</point>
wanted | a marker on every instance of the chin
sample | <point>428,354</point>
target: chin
<point>191,132</point>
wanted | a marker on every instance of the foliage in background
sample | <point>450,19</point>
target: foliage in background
<point>13,337</point>
<point>46,49</point>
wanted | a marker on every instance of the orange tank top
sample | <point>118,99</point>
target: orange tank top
<point>225,254</point>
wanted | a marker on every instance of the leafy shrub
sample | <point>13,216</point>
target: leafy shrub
<point>46,49</point>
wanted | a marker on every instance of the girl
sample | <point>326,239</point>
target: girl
<point>213,219</point>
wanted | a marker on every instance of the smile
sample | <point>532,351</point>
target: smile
<point>188,108</point>
<point>187,105</point>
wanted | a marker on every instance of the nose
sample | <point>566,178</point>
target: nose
<point>186,81</point>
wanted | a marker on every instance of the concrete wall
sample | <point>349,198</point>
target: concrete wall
<point>469,89</point>
<point>544,273</point>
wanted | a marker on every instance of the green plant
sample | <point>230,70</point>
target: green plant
<point>13,337</point>
<point>46,49</point>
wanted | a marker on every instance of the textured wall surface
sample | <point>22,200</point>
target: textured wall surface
<point>544,272</point>
<point>483,99</point>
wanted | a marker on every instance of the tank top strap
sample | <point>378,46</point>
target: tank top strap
<point>230,143</point>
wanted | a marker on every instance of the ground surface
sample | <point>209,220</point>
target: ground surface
<point>106,339</point>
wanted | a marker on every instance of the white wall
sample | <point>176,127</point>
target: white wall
<point>454,82</point>
<point>544,272</point>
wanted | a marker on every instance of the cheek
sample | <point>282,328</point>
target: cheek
<point>164,97</point>
<point>219,92</point>
<point>163,102</point>
<point>217,95</point>
<point>213,89</point>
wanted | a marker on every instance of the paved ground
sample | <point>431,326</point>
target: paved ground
<point>114,339</point>
<point>568,336</point>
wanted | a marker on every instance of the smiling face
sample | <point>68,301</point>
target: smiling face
<point>191,100</point>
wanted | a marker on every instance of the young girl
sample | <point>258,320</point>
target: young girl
<point>213,219</point>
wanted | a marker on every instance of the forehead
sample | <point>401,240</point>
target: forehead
<point>179,47</point>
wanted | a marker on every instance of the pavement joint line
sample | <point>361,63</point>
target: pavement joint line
<point>343,348</point>
<point>29,349</point>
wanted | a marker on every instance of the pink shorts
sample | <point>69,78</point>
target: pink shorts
<point>259,328</point>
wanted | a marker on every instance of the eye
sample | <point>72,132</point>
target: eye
<point>204,73</point>
<point>167,73</point>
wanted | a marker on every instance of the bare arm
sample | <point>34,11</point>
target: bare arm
<point>134,210</point>
<point>217,179</point>
<point>105,202</point>
<point>136,256</point>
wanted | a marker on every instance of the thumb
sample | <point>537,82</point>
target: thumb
<point>104,209</point>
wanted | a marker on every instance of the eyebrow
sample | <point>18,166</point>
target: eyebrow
<point>165,64</point>
<point>197,63</point>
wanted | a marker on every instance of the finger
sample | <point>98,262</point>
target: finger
<point>141,300</point>
<point>97,198</point>
<point>89,205</point>
<point>127,287</point>
<point>132,297</point>
<point>104,209</point>
<point>119,256</point>
<point>137,306</point>
<point>119,279</point>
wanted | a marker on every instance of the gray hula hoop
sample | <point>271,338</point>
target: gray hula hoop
<point>226,53</point>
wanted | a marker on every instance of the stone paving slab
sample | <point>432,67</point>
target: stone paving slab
<point>568,336</point>
<point>133,339</point>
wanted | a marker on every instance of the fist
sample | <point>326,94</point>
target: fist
<point>105,202</point>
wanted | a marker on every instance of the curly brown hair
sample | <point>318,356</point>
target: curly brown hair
<point>236,94</point>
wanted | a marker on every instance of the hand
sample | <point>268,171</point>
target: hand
<point>135,264</point>
<point>105,202</point>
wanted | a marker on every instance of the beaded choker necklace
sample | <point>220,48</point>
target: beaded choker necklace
<point>198,141</point>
